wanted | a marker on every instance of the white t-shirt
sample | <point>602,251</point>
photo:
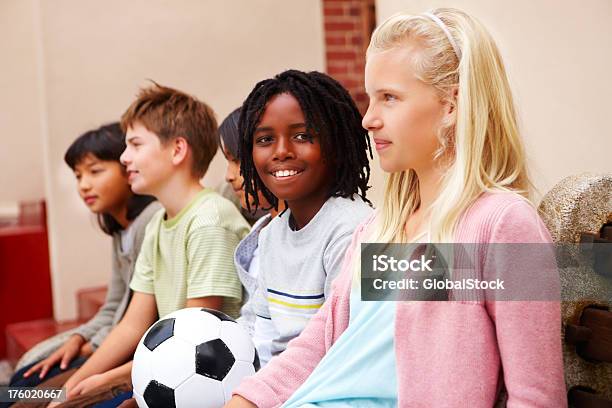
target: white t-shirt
<point>127,239</point>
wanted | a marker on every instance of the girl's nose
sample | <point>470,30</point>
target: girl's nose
<point>84,184</point>
<point>371,121</point>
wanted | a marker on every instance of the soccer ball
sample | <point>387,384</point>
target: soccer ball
<point>193,357</point>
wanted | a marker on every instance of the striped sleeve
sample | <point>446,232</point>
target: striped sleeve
<point>210,268</point>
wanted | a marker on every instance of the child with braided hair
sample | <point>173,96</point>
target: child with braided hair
<point>302,147</point>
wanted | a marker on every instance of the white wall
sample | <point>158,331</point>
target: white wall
<point>21,154</point>
<point>94,57</point>
<point>558,55</point>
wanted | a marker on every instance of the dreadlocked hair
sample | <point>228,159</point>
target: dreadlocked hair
<point>330,113</point>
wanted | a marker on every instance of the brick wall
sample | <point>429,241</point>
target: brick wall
<point>348,26</point>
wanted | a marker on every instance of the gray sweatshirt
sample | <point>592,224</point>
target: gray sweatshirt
<point>298,267</point>
<point>118,295</point>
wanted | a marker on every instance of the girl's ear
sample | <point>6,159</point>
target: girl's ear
<point>454,94</point>
<point>180,150</point>
<point>450,106</point>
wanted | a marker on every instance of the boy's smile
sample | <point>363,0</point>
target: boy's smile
<point>285,173</point>
<point>287,156</point>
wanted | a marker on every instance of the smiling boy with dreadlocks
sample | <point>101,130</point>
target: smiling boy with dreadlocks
<point>302,144</point>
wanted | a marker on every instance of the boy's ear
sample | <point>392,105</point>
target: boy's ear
<point>180,150</point>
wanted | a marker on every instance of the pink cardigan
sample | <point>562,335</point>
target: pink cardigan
<point>449,354</point>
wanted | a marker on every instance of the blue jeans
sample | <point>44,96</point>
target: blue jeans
<point>18,380</point>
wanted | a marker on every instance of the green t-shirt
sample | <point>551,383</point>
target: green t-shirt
<point>192,255</point>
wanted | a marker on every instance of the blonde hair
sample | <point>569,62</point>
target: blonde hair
<point>482,150</point>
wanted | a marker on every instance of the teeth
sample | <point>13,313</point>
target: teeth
<point>285,173</point>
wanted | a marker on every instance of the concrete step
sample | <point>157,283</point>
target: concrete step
<point>20,337</point>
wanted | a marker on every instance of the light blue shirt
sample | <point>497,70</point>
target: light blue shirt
<point>359,369</point>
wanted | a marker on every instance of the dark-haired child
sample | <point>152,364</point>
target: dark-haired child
<point>301,144</point>
<point>102,183</point>
<point>232,188</point>
<point>247,255</point>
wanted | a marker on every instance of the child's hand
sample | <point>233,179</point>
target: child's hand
<point>86,350</point>
<point>64,355</point>
<point>129,403</point>
<point>88,384</point>
<point>238,402</point>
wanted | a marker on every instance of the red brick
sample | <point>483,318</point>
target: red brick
<point>333,11</point>
<point>341,55</point>
<point>356,21</point>
<point>344,40</point>
<point>335,3</point>
<point>344,51</point>
<point>345,26</point>
<point>333,62</point>
<point>356,72</point>
<point>359,64</point>
<point>337,67</point>
<point>351,83</point>
<point>336,77</point>
<point>341,77</point>
<point>336,49</point>
<point>361,97</point>
<point>356,40</point>
<point>335,40</point>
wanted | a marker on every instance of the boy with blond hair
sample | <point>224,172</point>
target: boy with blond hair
<point>186,258</point>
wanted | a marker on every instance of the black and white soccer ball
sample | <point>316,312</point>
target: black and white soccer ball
<point>193,357</point>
